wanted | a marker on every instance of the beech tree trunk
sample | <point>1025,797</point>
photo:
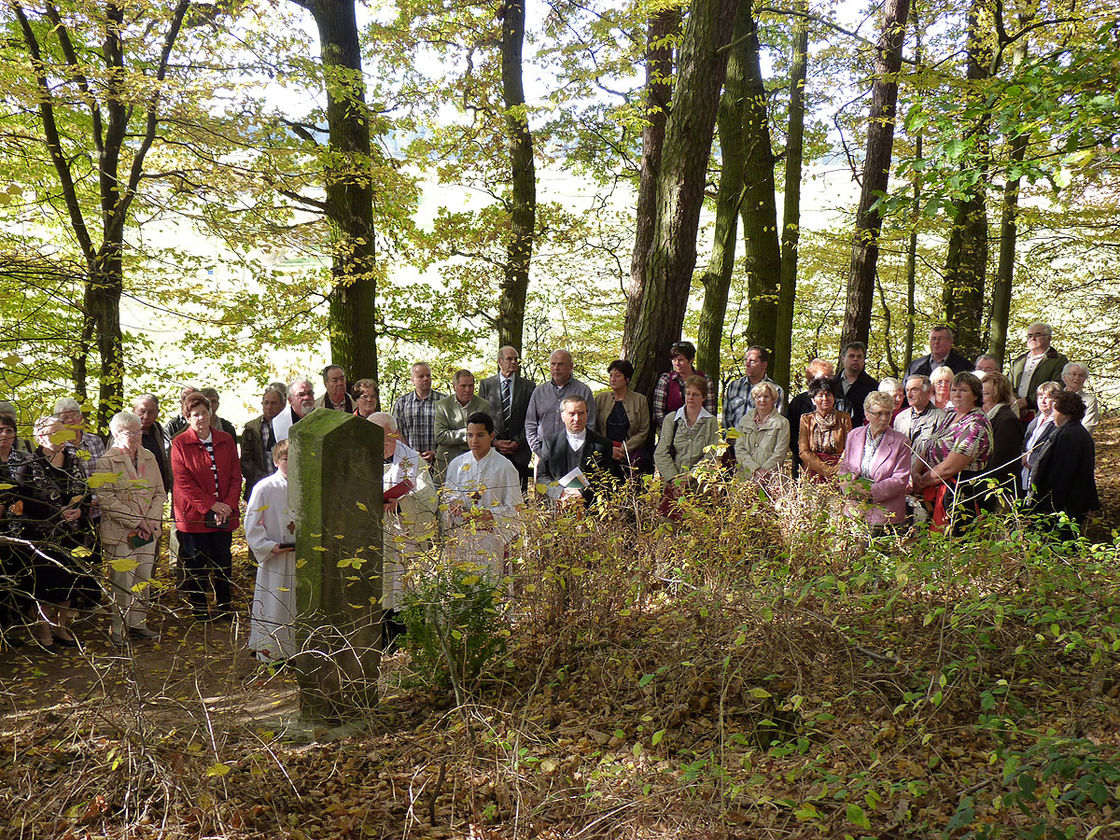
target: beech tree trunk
<point>762,254</point>
<point>782,362</point>
<point>523,182</point>
<point>659,87</point>
<point>966,261</point>
<point>349,191</point>
<point>876,173</point>
<point>114,121</point>
<point>729,197</point>
<point>1008,234</point>
<point>671,258</point>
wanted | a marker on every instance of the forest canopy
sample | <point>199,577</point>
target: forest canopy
<point>245,191</point>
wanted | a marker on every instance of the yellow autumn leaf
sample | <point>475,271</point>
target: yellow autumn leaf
<point>218,769</point>
<point>123,564</point>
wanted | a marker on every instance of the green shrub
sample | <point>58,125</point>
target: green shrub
<point>456,623</point>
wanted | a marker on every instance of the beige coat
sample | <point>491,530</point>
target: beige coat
<point>128,496</point>
<point>637,412</point>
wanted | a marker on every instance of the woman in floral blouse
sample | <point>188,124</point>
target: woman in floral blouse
<point>958,449</point>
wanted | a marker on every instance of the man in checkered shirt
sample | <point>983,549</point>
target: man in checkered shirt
<point>415,412</point>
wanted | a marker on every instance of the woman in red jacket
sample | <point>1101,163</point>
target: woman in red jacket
<point>207,489</point>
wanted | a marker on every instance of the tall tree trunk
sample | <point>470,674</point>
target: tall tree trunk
<point>912,266</point>
<point>349,190</point>
<point>523,182</point>
<point>118,175</point>
<point>729,197</point>
<point>659,87</point>
<point>876,173</point>
<point>1008,233</point>
<point>791,211</point>
<point>680,189</point>
<point>966,261</point>
<point>762,254</point>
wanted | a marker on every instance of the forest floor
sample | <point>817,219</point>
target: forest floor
<point>929,691</point>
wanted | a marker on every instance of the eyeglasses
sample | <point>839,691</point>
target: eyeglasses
<point>880,413</point>
<point>1037,335</point>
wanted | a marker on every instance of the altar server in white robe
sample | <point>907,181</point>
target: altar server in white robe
<point>270,533</point>
<point>482,493</point>
<point>409,509</point>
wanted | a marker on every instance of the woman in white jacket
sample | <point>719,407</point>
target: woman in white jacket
<point>763,440</point>
<point>270,533</point>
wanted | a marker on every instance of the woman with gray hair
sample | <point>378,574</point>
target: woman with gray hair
<point>876,464</point>
<point>130,491</point>
<point>1074,376</point>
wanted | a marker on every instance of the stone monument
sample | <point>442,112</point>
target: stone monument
<point>334,487</point>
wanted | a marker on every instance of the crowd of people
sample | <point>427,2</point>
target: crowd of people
<point>951,439</point>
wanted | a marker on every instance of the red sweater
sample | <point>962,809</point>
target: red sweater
<point>194,492</point>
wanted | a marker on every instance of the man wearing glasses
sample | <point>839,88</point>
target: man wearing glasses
<point>1041,363</point>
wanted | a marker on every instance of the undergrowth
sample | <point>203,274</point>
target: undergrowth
<point>762,667</point>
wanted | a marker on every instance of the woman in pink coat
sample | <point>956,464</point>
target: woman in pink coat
<point>876,464</point>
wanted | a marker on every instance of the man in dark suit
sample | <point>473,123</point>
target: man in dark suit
<point>508,394</point>
<point>941,352</point>
<point>574,447</point>
<point>854,383</point>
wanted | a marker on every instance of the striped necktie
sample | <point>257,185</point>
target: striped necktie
<point>507,403</point>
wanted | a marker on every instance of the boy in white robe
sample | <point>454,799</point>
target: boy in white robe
<point>270,533</point>
<point>483,492</point>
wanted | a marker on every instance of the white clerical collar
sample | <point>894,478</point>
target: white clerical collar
<point>576,440</point>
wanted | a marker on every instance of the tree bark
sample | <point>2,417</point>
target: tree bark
<point>680,188</point>
<point>110,128</point>
<point>729,198</point>
<point>349,191</point>
<point>1008,233</point>
<point>966,261</point>
<point>782,361</point>
<point>762,254</point>
<point>659,87</point>
<point>523,182</point>
<point>876,174</point>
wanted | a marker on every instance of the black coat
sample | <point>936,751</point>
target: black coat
<point>853,402</point>
<point>1007,447</point>
<point>594,460</point>
<point>1064,480</point>
<point>924,366</point>
<point>490,389</point>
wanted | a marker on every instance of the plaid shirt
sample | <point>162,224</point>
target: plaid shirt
<point>738,401</point>
<point>416,419</point>
<point>668,395</point>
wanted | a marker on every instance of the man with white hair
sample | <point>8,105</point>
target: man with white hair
<point>542,417</point>
<point>1041,363</point>
<point>301,402</point>
<point>409,518</point>
<point>86,446</point>
<point>919,420</point>
<point>987,364</point>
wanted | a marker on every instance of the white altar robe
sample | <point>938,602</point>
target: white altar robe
<point>410,529</point>
<point>491,484</point>
<point>268,522</point>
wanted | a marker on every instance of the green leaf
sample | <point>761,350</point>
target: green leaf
<point>856,816</point>
<point>657,736</point>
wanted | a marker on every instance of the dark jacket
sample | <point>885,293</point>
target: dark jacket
<point>852,403</point>
<point>594,460</point>
<point>1064,481</point>
<point>155,441</point>
<point>924,366</point>
<point>1048,370</point>
<point>1007,447</point>
<point>256,463</point>
<point>490,389</point>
